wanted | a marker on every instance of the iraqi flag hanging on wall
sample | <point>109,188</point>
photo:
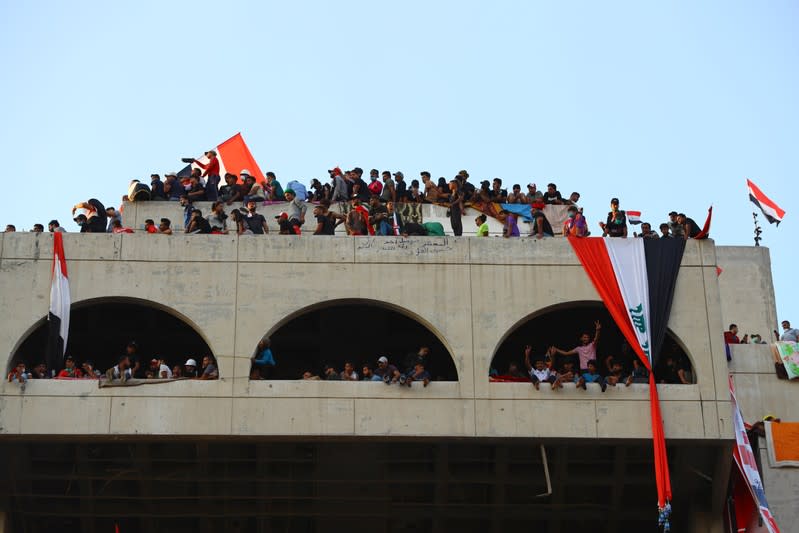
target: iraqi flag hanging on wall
<point>747,466</point>
<point>234,156</point>
<point>635,279</point>
<point>60,303</point>
<point>771,210</point>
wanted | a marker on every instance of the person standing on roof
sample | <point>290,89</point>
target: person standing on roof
<point>211,175</point>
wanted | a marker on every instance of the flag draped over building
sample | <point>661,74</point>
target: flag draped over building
<point>58,316</point>
<point>234,156</point>
<point>635,279</point>
<point>771,210</point>
<point>747,466</point>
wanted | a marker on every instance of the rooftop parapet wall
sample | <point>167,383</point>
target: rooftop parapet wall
<point>470,292</point>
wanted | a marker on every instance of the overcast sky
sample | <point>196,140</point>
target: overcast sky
<point>667,105</point>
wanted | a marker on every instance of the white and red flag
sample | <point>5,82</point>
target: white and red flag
<point>633,217</point>
<point>771,210</point>
<point>234,156</point>
<point>60,303</point>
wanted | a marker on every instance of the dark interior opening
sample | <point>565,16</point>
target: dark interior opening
<point>563,326</point>
<point>355,332</point>
<point>99,331</point>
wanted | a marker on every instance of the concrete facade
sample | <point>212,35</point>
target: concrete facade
<point>233,290</point>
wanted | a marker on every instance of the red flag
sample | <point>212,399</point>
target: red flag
<point>705,233</point>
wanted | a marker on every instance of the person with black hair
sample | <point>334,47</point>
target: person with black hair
<point>455,208</point>
<point>482,225</point>
<point>197,223</point>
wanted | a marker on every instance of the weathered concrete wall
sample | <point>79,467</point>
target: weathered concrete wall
<point>244,287</point>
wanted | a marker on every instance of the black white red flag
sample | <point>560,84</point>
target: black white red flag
<point>58,317</point>
<point>635,279</point>
<point>771,210</point>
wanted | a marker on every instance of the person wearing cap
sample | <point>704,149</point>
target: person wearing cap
<point>676,229</point>
<point>231,191</point>
<point>389,192</point>
<point>340,192</point>
<point>387,372</point>
<point>190,368</point>
<point>296,210</point>
<point>616,224</point>
<point>401,188</point>
<point>467,189</point>
<point>156,188</point>
<point>211,174</point>
<point>53,226</point>
<point>284,224</point>
<point>70,370</point>
<point>484,192</point>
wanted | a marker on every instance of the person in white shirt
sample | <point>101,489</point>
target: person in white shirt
<point>789,334</point>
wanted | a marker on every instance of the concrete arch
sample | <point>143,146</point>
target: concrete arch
<point>105,300</point>
<point>338,302</point>
<point>579,304</point>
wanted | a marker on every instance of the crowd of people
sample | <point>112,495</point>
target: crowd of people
<point>581,365</point>
<point>370,208</point>
<point>414,367</point>
<point>129,366</point>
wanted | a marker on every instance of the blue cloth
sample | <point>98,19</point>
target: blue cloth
<point>265,358</point>
<point>522,210</point>
<point>299,189</point>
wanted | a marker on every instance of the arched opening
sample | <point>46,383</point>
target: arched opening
<point>100,329</point>
<point>562,325</point>
<point>359,331</point>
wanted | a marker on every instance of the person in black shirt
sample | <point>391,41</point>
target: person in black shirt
<point>552,196</point>
<point>156,188</point>
<point>197,223</point>
<point>325,223</point>
<point>400,186</point>
<point>498,194</point>
<point>616,224</point>
<point>692,229</point>
<point>96,219</point>
<point>231,191</point>
<point>255,222</point>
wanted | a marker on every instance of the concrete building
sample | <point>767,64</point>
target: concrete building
<point>293,455</point>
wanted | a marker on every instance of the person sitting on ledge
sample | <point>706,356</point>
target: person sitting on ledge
<point>575,225</point>
<point>165,226</point>
<point>367,374</point>
<point>40,371</point>
<point>296,210</point>
<point>616,224</point>
<point>591,375</point>
<point>197,223</point>
<point>418,374</point>
<point>616,375</point>
<point>331,374</point>
<point>566,375</point>
<point>538,370</point>
<point>639,374</point>
<point>209,370</point>
<point>121,371</point>
<point>70,370</point>
<point>386,371</point>
<point>231,191</point>
<point>190,369</point>
<point>310,376</point>
<point>19,374</point>
<point>349,373</point>
<point>253,221</point>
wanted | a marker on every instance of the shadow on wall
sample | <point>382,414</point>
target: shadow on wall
<point>562,325</point>
<point>356,331</point>
<point>100,329</point>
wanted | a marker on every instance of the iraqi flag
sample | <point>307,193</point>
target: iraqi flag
<point>635,279</point>
<point>234,156</point>
<point>58,317</point>
<point>748,471</point>
<point>634,217</point>
<point>771,211</point>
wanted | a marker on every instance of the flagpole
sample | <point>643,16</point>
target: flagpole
<point>758,230</point>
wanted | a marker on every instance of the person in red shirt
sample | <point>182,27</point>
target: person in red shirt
<point>731,336</point>
<point>70,371</point>
<point>212,166</point>
<point>149,226</point>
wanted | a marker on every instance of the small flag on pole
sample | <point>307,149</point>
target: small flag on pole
<point>60,304</point>
<point>633,217</point>
<point>771,211</point>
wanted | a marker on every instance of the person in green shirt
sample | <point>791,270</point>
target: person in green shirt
<point>482,226</point>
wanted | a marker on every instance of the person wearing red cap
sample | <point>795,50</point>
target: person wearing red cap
<point>211,175</point>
